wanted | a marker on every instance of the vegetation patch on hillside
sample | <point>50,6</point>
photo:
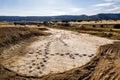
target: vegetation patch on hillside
<point>13,34</point>
<point>111,33</point>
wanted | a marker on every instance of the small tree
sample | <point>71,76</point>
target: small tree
<point>45,23</point>
<point>101,26</point>
<point>94,26</point>
<point>117,26</point>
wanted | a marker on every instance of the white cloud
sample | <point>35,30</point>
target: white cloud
<point>114,9</point>
<point>43,8</point>
<point>58,7</point>
<point>104,4</point>
<point>65,11</point>
<point>109,6</point>
<point>108,0</point>
<point>112,0</point>
<point>44,12</point>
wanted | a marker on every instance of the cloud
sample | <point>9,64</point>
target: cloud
<point>104,4</point>
<point>108,6</point>
<point>56,7</point>
<point>44,12</point>
<point>108,0</point>
<point>42,8</point>
<point>112,0</point>
<point>56,11</point>
<point>114,9</point>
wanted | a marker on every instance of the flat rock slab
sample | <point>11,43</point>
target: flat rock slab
<point>59,52</point>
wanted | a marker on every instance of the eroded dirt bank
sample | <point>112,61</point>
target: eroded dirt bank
<point>59,52</point>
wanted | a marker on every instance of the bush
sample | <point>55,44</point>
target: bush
<point>107,35</point>
<point>117,26</point>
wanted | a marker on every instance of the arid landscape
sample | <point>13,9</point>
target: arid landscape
<point>87,50</point>
<point>59,39</point>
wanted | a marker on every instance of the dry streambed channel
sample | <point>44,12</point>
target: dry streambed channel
<point>59,52</point>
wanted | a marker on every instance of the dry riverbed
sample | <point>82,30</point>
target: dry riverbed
<point>59,52</point>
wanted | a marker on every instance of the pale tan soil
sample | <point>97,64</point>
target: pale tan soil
<point>62,51</point>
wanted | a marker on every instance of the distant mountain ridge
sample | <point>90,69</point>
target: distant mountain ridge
<point>62,18</point>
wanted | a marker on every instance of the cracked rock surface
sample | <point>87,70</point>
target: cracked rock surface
<point>59,52</point>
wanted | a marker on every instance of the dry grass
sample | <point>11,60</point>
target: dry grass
<point>110,33</point>
<point>5,23</point>
<point>13,34</point>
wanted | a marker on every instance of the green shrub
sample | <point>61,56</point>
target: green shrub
<point>117,26</point>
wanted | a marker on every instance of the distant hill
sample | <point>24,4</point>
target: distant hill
<point>62,18</point>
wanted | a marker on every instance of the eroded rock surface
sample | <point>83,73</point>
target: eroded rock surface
<point>59,52</point>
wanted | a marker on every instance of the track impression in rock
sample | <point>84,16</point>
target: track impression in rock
<point>59,52</point>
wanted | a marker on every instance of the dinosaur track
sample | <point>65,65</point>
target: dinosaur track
<point>59,52</point>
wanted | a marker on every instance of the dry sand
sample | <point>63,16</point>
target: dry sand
<point>59,52</point>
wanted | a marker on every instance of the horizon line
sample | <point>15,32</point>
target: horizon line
<point>55,15</point>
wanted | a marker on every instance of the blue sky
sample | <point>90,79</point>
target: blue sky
<point>57,7</point>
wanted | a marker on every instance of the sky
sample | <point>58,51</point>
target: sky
<point>57,7</point>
